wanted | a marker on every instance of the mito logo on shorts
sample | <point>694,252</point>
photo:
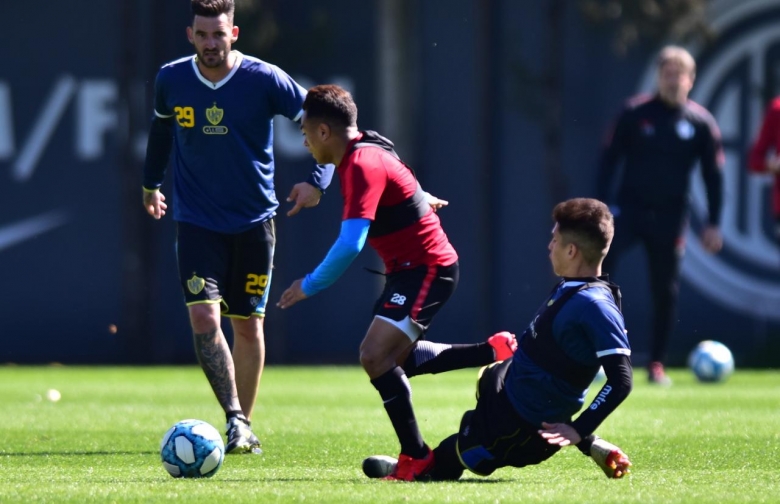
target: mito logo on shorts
<point>735,76</point>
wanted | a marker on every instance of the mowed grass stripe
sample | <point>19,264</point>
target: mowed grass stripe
<point>689,443</point>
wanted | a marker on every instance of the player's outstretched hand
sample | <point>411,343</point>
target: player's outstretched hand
<point>610,459</point>
<point>436,203</point>
<point>304,195</point>
<point>712,239</point>
<point>292,295</point>
<point>560,434</point>
<point>154,203</point>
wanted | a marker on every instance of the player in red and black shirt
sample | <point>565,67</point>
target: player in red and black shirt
<point>384,204</point>
<point>764,155</point>
<point>659,140</point>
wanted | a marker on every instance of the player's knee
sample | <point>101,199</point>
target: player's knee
<point>367,360</point>
<point>372,360</point>
<point>203,318</point>
<point>250,330</point>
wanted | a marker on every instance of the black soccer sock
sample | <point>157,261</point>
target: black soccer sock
<point>237,414</point>
<point>396,394</point>
<point>431,358</point>
<point>447,464</point>
<point>585,444</point>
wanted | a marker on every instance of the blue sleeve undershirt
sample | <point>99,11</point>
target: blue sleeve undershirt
<point>346,248</point>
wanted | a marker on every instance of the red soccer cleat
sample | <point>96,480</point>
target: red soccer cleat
<point>610,459</point>
<point>504,343</point>
<point>411,469</point>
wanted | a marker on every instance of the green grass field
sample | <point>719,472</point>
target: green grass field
<point>690,443</point>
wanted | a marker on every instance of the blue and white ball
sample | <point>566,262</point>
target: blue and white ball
<point>711,361</point>
<point>192,449</point>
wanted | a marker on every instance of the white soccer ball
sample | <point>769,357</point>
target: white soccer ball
<point>711,361</point>
<point>192,449</point>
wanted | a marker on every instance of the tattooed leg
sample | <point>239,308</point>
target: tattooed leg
<point>217,363</point>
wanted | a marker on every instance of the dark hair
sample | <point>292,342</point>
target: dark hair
<point>587,223</point>
<point>213,8</point>
<point>331,104</point>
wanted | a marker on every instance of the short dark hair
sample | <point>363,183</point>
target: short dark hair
<point>331,104</point>
<point>587,223</point>
<point>213,8</point>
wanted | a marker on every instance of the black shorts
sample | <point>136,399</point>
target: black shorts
<point>493,435</point>
<point>777,228</point>
<point>418,293</point>
<point>234,269</point>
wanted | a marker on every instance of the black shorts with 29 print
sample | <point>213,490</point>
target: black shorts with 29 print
<point>234,269</point>
<point>418,293</point>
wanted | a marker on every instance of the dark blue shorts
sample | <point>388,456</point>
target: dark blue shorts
<point>493,435</point>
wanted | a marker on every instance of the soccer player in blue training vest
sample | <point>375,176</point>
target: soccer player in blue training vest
<point>525,404</point>
<point>214,109</point>
<point>385,205</point>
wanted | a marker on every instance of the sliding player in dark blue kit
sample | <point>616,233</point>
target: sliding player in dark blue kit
<point>385,205</point>
<point>657,142</point>
<point>525,404</point>
<point>215,111</point>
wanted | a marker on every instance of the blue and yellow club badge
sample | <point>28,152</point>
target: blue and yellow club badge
<point>195,284</point>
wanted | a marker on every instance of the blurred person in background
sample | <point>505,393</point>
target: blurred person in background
<point>764,156</point>
<point>525,404</point>
<point>657,141</point>
<point>213,119</point>
<point>385,205</point>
